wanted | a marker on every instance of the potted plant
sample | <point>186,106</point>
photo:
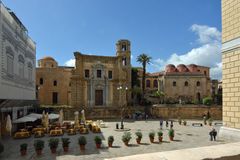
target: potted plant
<point>151,136</point>
<point>160,136</point>
<point>184,123</point>
<point>126,138</point>
<point>65,144</point>
<point>98,141</point>
<point>139,136</point>
<point>82,141</point>
<point>171,134</point>
<point>23,149</point>
<point>179,120</point>
<point>210,121</point>
<point>38,145</point>
<point>110,141</point>
<point>53,144</point>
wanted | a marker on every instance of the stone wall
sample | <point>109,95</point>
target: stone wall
<point>186,111</point>
<point>163,111</point>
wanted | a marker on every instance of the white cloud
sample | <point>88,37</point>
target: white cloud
<point>207,54</point>
<point>70,63</point>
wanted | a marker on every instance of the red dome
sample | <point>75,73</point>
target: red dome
<point>193,68</point>
<point>182,68</point>
<point>170,68</point>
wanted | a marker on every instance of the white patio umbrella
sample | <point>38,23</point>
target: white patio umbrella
<point>9,125</point>
<point>43,118</point>
<point>60,120</point>
<point>76,120</point>
<point>83,116</point>
<point>46,121</point>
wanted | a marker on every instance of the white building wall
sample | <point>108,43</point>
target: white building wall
<point>13,37</point>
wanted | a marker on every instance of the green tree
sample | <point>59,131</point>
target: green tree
<point>135,80</point>
<point>160,95</point>
<point>144,59</point>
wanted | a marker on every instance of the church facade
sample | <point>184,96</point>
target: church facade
<point>95,81</point>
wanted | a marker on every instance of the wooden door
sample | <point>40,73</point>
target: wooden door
<point>99,97</point>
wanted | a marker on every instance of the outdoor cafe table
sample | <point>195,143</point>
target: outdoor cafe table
<point>56,132</point>
<point>38,129</point>
<point>24,134</point>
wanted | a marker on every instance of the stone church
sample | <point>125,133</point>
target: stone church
<point>95,80</point>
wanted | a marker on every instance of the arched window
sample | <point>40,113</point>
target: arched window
<point>124,47</point>
<point>186,83</point>
<point>205,73</point>
<point>30,68</point>
<point>41,81</point>
<point>174,83</point>
<point>155,83</point>
<point>148,83</point>
<point>198,83</point>
<point>55,83</point>
<point>21,66</point>
<point>10,58</point>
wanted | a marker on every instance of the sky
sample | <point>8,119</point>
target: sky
<point>170,31</point>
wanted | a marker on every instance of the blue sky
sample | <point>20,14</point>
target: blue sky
<point>170,31</point>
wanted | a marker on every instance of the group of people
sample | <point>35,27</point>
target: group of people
<point>167,124</point>
<point>212,133</point>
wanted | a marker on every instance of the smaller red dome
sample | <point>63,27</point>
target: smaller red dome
<point>182,68</point>
<point>170,68</point>
<point>193,68</point>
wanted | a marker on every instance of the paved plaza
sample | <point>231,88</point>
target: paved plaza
<point>185,137</point>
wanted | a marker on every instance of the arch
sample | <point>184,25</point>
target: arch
<point>155,83</point>
<point>174,83</point>
<point>148,83</point>
<point>186,83</point>
<point>198,83</point>
<point>198,97</point>
<point>9,51</point>
<point>41,81</point>
<point>55,83</point>
<point>21,59</point>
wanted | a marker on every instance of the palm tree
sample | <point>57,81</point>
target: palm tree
<point>144,59</point>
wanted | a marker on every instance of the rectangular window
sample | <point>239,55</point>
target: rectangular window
<point>99,73</point>
<point>86,73</point>
<point>109,74</point>
<point>10,65</point>
<point>21,70</point>
<point>54,98</point>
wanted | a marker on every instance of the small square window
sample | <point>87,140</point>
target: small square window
<point>99,73</point>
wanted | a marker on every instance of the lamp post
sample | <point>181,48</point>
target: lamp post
<point>121,89</point>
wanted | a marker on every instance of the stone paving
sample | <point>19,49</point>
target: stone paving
<point>185,137</point>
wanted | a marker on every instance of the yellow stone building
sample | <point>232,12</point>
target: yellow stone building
<point>94,81</point>
<point>231,64</point>
<point>187,83</point>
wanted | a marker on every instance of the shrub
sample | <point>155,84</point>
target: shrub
<point>126,137</point>
<point>65,142</point>
<point>82,140</point>
<point>151,134</point>
<point>110,139</point>
<point>160,133</point>
<point>39,144</point>
<point>139,134</point>
<point>53,142</point>
<point>207,101</point>
<point>171,133</point>
<point>23,146</point>
<point>98,140</point>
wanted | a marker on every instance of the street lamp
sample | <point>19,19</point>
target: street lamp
<point>121,88</point>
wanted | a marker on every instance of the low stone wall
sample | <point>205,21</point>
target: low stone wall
<point>186,111</point>
<point>99,112</point>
